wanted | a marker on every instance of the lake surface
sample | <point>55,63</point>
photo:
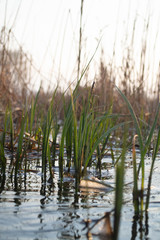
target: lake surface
<point>31,210</point>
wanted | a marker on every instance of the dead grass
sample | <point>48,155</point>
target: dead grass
<point>16,69</point>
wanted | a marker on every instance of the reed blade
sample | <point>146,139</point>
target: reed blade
<point>19,155</point>
<point>104,135</point>
<point>135,120</point>
<point>33,109</point>
<point>152,169</point>
<point>120,172</point>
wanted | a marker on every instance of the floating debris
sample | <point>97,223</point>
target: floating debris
<point>95,184</point>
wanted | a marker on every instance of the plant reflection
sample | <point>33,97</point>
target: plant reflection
<point>139,227</point>
<point>101,228</point>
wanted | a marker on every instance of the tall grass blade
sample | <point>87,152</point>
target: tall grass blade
<point>98,141</point>
<point>5,127</point>
<point>69,139</point>
<point>135,180</point>
<point>119,191</point>
<point>67,124</point>
<point>45,143</point>
<point>55,131</point>
<point>75,135</point>
<point>151,169</point>
<point>44,152</point>
<point>11,131</point>
<point>148,141</point>
<point>19,155</point>
<point>133,115</point>
<point>33,109</point>
<point>143,145</point>
<point>2,158</point>
<point>85,69</point>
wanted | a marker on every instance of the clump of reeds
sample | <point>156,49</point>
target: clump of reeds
<point>84,132</point>
<point>88,121</point>
<point>144,147</point>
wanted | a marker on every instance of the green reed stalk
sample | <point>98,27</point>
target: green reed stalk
<point>87,139</point>
<point>103,126</point>
<point>101,139</point>
<point>67,132</point>
<point>85,131</point>
<point>151,169</point>
<point>33,109</point>
<point>11,131</point>
<point>120,171</point>
<point>2,158</point>
<point>88,131</point>
<point>83,134</point>
<point>67,124</point>
<point>69,140</point>
<point>11,141</point>
<point>46,150</point>
<point>78,136</point>
<point>75,138</point>
<point>68,137</point>
<point>54,131</point>
<point>19,155</point>
<point>45,143</point>
<point>5,127</point>
<point>49,159</point>
<point>135,177</point>
<point>68,121</point>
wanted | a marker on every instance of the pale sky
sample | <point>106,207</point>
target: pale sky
<point>49,30</point>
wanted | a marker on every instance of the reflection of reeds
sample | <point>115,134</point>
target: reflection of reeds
<point>106,231</point>
<point>80,41</point>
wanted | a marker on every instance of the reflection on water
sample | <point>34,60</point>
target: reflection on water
<point>30,209</point>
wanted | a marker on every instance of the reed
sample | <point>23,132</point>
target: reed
<point>65,132</point>
<point>5,127</point>
<point>54,132</point>
<point>87,124</point>
<point>102,137</point>
<point>11,130</point>
<point>2,159</point>
<point>84,133</point>
<point>20,150</point>
<point>120,173</point>
<point>32,112</point>
<point>135,179</point>
<point>2,167</point>
<point>46,130</point>
<point>7,130</point>
<point>104,126</point>
<point>143,144</point>
<point>155,151</point>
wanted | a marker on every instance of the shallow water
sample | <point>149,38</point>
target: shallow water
<point>31,210</point>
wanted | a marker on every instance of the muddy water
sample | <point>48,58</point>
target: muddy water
<point>31,210</point>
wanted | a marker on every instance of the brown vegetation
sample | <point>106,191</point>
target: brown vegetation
<point>15,83</point>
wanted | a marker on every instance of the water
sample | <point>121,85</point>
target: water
<point>31,210</point>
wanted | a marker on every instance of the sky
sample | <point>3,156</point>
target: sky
<point>49,31</point>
